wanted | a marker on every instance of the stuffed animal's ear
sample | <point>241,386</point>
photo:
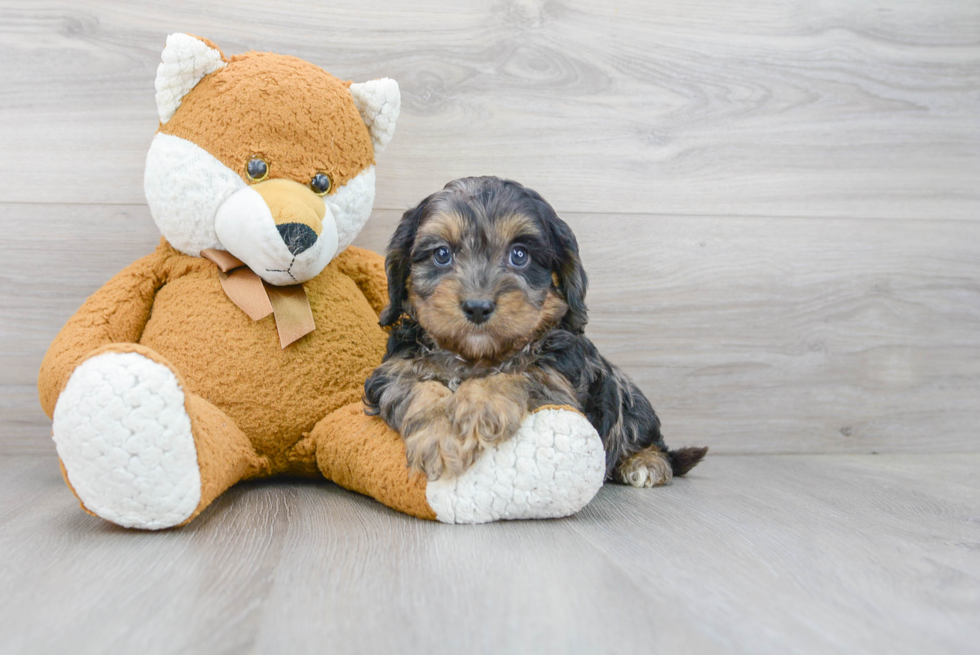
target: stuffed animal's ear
<point>398,262</point>
<point>185,61</point>
<point>571,280</point>
<point>379,103</point>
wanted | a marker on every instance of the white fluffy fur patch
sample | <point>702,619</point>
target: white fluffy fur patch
<point>552,467</point>
<point>184,187</point>
<point>379,103</point>
<point>247,229</point>
<point>125,439</point>
<point>351,206</point>
<point>185,61</point>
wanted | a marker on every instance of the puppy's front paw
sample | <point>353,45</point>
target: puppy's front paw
<point>431,444</point>
<point>433,448</point>
<point>647,468</point>
<point>487,410</point>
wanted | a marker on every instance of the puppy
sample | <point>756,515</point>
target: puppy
<point>487,312</point>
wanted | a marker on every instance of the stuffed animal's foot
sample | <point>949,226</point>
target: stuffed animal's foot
<point>125,439</point>
<point>552,467</point>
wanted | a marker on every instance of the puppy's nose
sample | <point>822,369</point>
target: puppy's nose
<point>478,311</point>
<point>297,237</point>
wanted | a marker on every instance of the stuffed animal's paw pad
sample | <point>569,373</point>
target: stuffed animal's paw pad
<point>552,467</point>
<point>125,439</point>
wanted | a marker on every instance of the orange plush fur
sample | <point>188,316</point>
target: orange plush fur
<point>232,114</point>
<point>164,392</point>
<point>257,409</point>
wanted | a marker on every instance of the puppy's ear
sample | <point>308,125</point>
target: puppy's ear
<point>572,280</point>
<point>398,263</point>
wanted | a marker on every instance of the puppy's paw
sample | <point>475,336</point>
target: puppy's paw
<point>647,468</point>
<point>433,447</point>
<point>431,444</point>
<point>487,410</point>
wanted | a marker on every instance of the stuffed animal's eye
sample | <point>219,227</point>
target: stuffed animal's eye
<point>442,256</point>
<point>519,256</point>
<point>256,169</point>
<point>321,184</point>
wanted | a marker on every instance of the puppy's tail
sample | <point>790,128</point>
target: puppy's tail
<point>684,459</point>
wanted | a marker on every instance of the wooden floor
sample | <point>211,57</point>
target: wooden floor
<point>750,554</point>
<point>779,210</point>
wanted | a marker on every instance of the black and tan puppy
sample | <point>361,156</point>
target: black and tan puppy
<point>487,310</point>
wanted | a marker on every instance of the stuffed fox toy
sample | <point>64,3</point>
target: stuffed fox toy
<point>239,348</point>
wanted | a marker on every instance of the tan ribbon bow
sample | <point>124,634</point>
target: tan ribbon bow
<point>290,304</point>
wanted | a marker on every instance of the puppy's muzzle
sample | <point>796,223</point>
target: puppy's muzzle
<point>478,311</point>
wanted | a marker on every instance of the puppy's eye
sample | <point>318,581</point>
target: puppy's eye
<point>519,256</point>
<point>442,256</point>
<point>321,184</point>
<point>256,169</point>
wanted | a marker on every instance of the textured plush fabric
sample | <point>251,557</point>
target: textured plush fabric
<point>164,393</point>
<point>185,185</point>
<point>258,410</point>
<point>551,468</point>
<point>246,227</point>
<point>351,206</point>
<point>116,313</point>
<point>174,305</point>
<point>185,60</point>
<point>362,454</point>
<point>250,402</point>
<point>125,436</point>
<point>162,340</point>
<point>379,103</point>
<point>259,104</point>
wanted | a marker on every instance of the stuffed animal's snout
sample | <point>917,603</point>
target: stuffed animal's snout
<point>297,211</point>
<point>280,228</point>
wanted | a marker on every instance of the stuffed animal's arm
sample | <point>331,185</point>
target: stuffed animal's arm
<point>367,269</point>
<point>116,313</point>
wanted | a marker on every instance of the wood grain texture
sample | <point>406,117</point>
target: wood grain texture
<point>749,335</point>
<point>784,108</point>
<point>802,335</point>
<point>777,204</point>
<point>773,554</point>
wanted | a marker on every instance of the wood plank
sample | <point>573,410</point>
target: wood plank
<point>828,553</point>
<point>753,554</point>
<point>52,263</point>
<point>274,566</point>
<point>749,335</point>
<point>710,108</point>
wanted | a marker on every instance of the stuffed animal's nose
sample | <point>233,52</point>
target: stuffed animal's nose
<point>478,311</point>
<point>297,237</point>
<point>296,210</point>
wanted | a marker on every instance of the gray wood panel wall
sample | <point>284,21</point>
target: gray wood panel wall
<point>777,202</point>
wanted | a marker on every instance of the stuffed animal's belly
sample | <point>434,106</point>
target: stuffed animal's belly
<point>273,394</point>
